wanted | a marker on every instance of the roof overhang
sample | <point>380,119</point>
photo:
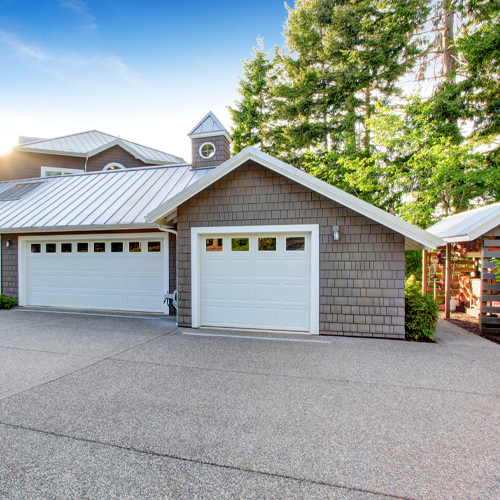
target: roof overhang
<point>78,229</point>
<point>415,237</point>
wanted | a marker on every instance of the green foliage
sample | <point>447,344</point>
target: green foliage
<point>7,302</point>
<point>428,161</point>
<point>413,263</point>
<point>341,56</point>
<point>251,114</point>
<point>421,313</point>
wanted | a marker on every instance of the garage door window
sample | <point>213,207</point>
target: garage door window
<point>154,246</point>
<point>99,247</point>
<point>117,246</point>
<point>134,246</point>
<point>36,248</point>
<point>267,244</point>
<point>82,247</point>
<point>66,247</point>
<point>295,244</point>
<point>214,245</point>
<point>240,244</point>
<point>50,248</point>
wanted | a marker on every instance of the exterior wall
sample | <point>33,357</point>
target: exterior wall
<point>23,165</point>
<point>222,151</point>
<point>361,276</point>
<point>115,154</point>
<point>10,263</point>
<point>10,256</point>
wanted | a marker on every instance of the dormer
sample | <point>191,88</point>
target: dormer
<point>210,142</point>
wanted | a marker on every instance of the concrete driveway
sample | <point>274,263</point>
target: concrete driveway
<point>133,408</point>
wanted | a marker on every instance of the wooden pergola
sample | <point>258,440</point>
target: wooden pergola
<point>471,246</point>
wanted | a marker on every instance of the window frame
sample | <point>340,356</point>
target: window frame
<point>63,171</point>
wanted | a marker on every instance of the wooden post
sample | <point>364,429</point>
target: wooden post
<point>447,289</point>
<point>424,273</point>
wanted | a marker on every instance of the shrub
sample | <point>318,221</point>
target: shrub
<point>7,302</point>
<point>413,263</point>
<point>421,313</point>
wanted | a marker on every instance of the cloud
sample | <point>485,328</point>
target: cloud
<point>69,66</point>
<point>23,49</point>
<point>80,8</point>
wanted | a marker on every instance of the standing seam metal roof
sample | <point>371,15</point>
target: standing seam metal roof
<point>92,142</point>
<point>111,198</point>
<point>467,223</point>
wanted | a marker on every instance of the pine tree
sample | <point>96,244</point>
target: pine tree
<point>342,56</point>
<point>252,113</point>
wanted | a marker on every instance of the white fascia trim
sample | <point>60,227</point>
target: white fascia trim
<point>76,229</point>
<point>212,134</point>
<point>23,252</point>
<point>423,238</point>
<point>196,232</point>
<point>49,152</point>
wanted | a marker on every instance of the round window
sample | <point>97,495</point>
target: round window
<point>207,150</point>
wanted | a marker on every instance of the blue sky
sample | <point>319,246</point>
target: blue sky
<point>147,71</point>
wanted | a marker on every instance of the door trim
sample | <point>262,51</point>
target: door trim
<point>198,232</point>
<point>23,254</point>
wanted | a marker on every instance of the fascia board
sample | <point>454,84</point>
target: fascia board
<point>376,214</point>
<point>212,134</point>
<point>21,149</point>
<point>102,148</point>
<point>77,229</point>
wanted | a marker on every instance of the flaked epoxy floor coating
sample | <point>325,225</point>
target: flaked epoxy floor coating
<point>134,408</point>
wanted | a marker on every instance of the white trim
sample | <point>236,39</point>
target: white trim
<point>75,229</point>
<point>25,240</point>
<point>415,236</point>
<point>67,171</point>
<point>208,143</point>
<point>112,165</point>
<point>219,133</point>
<point>197,232</point>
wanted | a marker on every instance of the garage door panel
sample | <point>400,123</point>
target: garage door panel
<point>255,289</point>
<point>102,280</point>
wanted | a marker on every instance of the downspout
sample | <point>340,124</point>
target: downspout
<point>86,160</point>
<point>173,231</point>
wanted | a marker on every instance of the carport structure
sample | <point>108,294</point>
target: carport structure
<point>477,229</point>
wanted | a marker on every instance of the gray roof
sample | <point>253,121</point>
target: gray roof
<point>97,200</point>
<point>93,142</point>
<point>207,125</point>
<point>469,225</point>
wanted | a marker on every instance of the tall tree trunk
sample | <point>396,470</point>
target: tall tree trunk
<point>367,117</point>
<point>449,54</point>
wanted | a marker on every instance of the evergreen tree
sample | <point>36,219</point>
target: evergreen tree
<point>252,113</point>
<point>342,55</point>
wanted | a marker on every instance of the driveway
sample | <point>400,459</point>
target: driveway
<point>132,408</point>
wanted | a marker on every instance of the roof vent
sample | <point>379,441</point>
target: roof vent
<point>18,191</point>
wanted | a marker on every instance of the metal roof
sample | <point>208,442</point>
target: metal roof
<point>97,200</point>
<point>93,142</point>
<point>469,225</point>
<point>208,124</point>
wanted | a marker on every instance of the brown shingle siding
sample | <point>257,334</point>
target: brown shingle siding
<point>361,276</point>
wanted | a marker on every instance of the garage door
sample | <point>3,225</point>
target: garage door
<point>128,273</point>
<point>259,281</point>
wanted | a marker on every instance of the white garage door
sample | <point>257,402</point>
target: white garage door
<point>259,281</point>
<point>128,273</point>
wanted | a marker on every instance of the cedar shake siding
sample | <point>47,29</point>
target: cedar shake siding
<point>222,151</point>
<point>10,263</point>
<point>361,275</point>
<point>111,155</point>
<point>23,165</point>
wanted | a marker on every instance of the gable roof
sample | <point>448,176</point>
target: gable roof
<point>209,126</point>
<point>415,237</point>
<point>469,225</point>
<point>93,142</point>
<point>114,199</point>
